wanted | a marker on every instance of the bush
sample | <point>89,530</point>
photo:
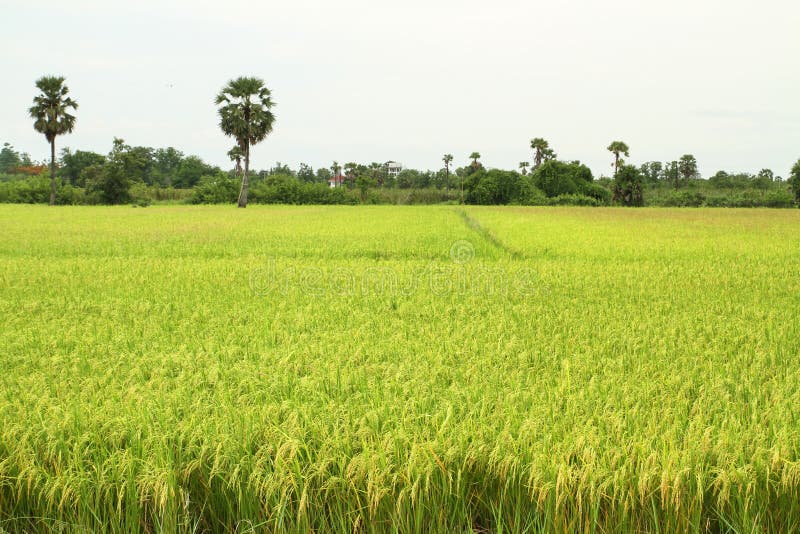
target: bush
<point>779,198</point>
<point>70,195</point>
<point>285,189</point>
<point>217,189</point>
<point>428,195</point>
<point>597,192</point>
<point>26,190</point>
<point>628,186</point>
<point>684,199</point>
<point>556,178</point>
<point>530,195</point>
<point>573,200</point>
<point>493,187</point>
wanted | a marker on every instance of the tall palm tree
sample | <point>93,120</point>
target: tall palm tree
<point>523,167</point>
<point>246,115</point>
<point>617,148</point>
<point>448,159</point>
<point>50,114</point>
<point>236,155</point>
<point>541,151</point>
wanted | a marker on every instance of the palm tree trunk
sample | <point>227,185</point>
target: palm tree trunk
<point>53,172</point>
<point>447,178</point>
<point>243,191</point>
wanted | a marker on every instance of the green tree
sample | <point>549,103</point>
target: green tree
<point>246,115</point>
<point>235,154</point>
<point>73,164</point>
<point>721,179</point>
<point>475,156</point>
<point>765,179</point>
<point>9,158</point>
<point>305,173</point>
<point>672,173</point>
<point>350,169</point>
<point>142,163</point>
<point>617,148</point>
<point>447,159</point>
<point>794,181</point>
<point>167,161</point>
<point>523,167</point>
<point>556,178</point>
<point>112,181</point>
<point>192,168</point>
<point>51,116</point>
<point>493,187</point>
<point>628,186</point>
<point>541,152</point>
<point>281,168</point>
<point>364,182</point>
<point>652,171</point>
<point>322,175</point>
<point>687,167</point>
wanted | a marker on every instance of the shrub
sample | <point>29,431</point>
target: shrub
<point>573,200</point>
<point>684,199</point>
<point>217,189</point>
<point>556,178</point>
<point>779,198</point>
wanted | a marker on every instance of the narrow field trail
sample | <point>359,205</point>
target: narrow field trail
<point>475,225</point>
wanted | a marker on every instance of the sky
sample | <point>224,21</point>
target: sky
<point>368,80</point>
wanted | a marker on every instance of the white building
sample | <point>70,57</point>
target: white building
<point>393,168</point>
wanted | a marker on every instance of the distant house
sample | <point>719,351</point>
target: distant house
<point>393,168</point>
<point>336,181</point>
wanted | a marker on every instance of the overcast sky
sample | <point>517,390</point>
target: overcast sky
<point>367,80</point>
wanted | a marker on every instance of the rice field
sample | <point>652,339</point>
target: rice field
<point>399,369</point>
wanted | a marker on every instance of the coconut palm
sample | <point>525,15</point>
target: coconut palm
<point>617,148</point>
<point>50,114</point>
<point>448,159</point>
<point>246,115</point>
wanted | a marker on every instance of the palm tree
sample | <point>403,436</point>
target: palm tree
<point>541,151</point>
<point>448,158</point>
<point>236,157</point>
<point>246,115</point>
<point>335,168</point>
<point>475,156</point>
<point>523,167</point>
<point>617,148</point>
<point>50,114</point>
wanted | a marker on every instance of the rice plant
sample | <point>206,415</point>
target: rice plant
<point>400,369</point>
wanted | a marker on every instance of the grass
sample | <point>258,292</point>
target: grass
<point>289,369</point>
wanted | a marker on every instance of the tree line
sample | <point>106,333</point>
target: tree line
<point>245,108</point>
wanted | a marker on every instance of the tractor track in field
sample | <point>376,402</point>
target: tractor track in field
<point>475,225</point>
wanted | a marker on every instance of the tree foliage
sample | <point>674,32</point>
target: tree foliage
<point>687,167</point>
<point>618,148</point>
<point>246,115</point>
<point>51,114</point>
<point>628,186</point>
<point>541,151</point>
<point>74,163</point>
<point>794,181</point>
